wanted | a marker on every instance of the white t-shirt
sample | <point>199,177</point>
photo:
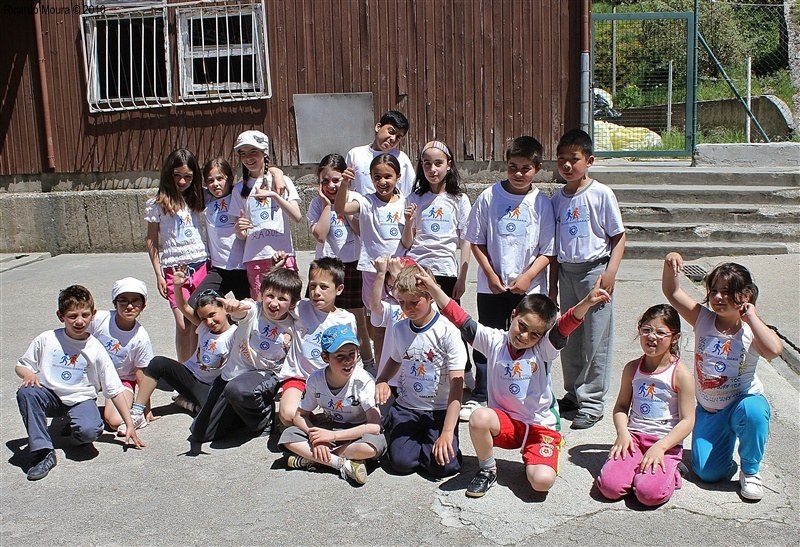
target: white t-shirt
<point>75,370</point>
<point>341,242</point>
<point>427,355</point>
<point>259,343</point>
<point>212,353</point>
<point>350,403</point>
<point>128,349</point>
<point>381,228</point>
<point>181,235</point>
<point>225,249</point>
<point>439,220</point>
<point>654,401</point>
<point>519,385</point>
<point>273,227</point>
<point>305,357</point>
<point>724,365</point>
<point>585,223</point>
<point>515,230</point>
<point>388,319</point>
<point>360,159</point>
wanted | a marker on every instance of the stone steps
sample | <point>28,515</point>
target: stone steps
<point>700,195</point>
<point>712,213</point>
<point>681,232</point>
<point>698,249</point>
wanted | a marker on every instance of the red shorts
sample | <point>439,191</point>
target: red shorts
<point>200,269</point>
<point>130,385</point>
<point>296,383</point>
<point>542,445</point>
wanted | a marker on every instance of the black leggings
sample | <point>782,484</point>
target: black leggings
<point>179,377</point>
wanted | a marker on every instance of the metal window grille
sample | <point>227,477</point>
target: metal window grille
<point>222,55</point>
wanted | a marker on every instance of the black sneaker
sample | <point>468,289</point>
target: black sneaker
<point>299,462</point>
<point>565,405</point>
<point>43,467</point>
<point>585,421</point>
<point>480,484</point>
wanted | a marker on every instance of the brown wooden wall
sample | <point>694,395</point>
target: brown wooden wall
<point>474,73</point>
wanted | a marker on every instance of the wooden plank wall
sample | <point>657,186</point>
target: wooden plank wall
<point>474,73</point>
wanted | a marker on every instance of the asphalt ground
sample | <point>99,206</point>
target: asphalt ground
<point>240,493</point>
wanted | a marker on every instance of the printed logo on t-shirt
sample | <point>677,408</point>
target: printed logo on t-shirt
<point>576,220</point>
<point>420,372</point>
<point>68,369</point>
<point>113,348</point>
<point>339,231</point>
<point>206,357</point>
<point>719,363</point>
<point>220,217</point>
<point>265,214</point>
<point>389,225</point>
<point>342,408</point>
<point>517,375</point>
<point>437,219</point>
<point>513,221</point>
<point>185,230</point>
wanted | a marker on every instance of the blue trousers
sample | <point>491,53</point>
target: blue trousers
<point>715,433</point>
<point>36,404</point>
<point>411,438</point>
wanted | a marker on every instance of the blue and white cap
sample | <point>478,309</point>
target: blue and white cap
<point>337,336</point>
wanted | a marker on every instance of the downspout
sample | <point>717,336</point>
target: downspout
<point>48,131</point>
<point>585,72</point>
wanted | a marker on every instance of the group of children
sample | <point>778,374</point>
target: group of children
<point>396,243</point>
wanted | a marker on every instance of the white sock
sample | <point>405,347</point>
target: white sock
<point>337,462</point>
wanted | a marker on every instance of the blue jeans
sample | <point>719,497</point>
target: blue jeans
<point>36,404</point>
<point>715,433</point>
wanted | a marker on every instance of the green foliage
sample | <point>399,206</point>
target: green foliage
<point>630,96</point>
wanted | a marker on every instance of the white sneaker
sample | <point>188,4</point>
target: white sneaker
<point>355,470</point>
<point>469,380</point>
<point>752,487</point>
<point>468,408</point>
<point>185,403</point>
<point>139,421</point>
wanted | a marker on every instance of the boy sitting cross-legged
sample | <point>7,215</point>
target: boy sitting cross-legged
<point>522,411</point>
<point>349,429</point>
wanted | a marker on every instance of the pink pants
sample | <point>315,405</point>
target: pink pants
<point>619,477</point>
<point>257,268</point>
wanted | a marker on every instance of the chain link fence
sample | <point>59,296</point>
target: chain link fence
<point>743,45</point>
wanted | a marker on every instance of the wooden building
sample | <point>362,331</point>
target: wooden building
<point>474,73</point>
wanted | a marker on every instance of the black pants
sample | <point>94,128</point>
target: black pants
<point>179,377</point>
<point>223,281</point>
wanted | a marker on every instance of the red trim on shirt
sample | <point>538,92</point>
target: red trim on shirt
<point>568,323</point>
<point>455,313</point>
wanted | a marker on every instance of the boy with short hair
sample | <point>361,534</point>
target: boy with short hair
<point>349,429</point>
<point>125,340</point>
<point>522,413</point>
<point>430,355</point>
<point>389,131</point>
<point>511,229</point>
<point>313,316</point>
<point>245,391</point>
<point>61,372</point>
<point>590,242</point>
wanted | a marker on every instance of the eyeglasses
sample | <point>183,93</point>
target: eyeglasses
<point>660,334</point>
<point>124,302</point>
<point>209,292</point>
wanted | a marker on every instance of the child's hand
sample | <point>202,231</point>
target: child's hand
<point>748,312</point>
<point>278,184</point>
<point>348,175</point>
<point>654,457</point>
<point>459,288</point>
<point>264,193</point>
<point>322,197</point>
<point>623,446</point>
<point>519,285</point>
<point>553,295</point>
<point>598,295</point>
<point>409,212</point>
<point>382,393</point>
<point>607,280</point>
<point>233,306</point>
<point>675,261</point>
<point>279,259</point>
<point>381,264</point>
<point>162,287</point>
<point>495,285</point>
<point>443,448</point>
<point>29,379</point>
<point>132,438</point>
<point>319,435</point>
<point>424,280</point>
<point>322,453</point>
<point>180,274</point>
<point>243,223</point>
<point>393,266</point>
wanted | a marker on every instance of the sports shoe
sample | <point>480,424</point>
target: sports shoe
<point>752,487</point>
<point>355,470</point>
<point>566,405</point>
<point>43,467</point>
<point>185,403</point>
<point>481,482</point>
<point>299,462</point>
<point>468,408</point>
<point>139,421</point>
<point>585,421</point>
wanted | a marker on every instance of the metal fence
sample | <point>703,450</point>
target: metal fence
<point>743,88</point>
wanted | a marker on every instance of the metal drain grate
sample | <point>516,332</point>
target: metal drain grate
<point>694,272</point>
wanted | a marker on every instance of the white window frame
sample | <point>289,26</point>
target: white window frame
<point>189,92</point>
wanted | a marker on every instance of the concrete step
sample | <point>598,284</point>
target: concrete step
<point>733,214</point>
<point>703,194</point>
<point>693,250</point>
<point>655,175</point>
<point>695,232</point>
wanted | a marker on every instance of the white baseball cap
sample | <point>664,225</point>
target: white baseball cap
<point>253,138</point>
<point>128,284</point>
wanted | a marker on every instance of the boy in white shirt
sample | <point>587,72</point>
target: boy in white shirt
<point>349,429</point>
<point>424,418</point>
<point>61,372</point>
<point>511,229</point>
<point>389,131</point>
<point>125,339</point>
<point>590,242</point>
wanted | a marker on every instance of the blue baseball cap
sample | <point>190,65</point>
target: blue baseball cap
<point>337,336</point>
